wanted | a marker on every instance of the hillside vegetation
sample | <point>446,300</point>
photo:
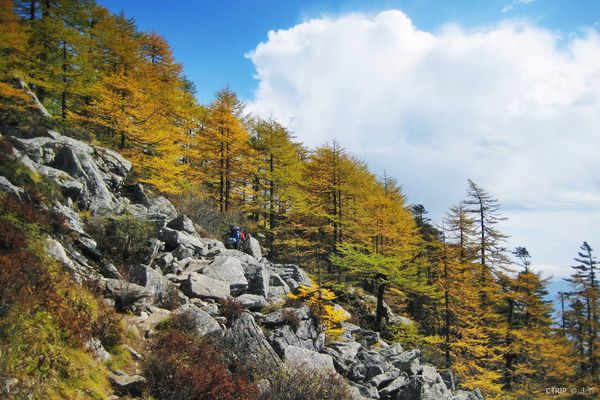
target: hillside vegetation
<point>91,108</point>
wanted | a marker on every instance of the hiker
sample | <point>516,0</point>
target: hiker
<point>237,238</point>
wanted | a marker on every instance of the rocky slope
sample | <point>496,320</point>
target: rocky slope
<point>184,272</point>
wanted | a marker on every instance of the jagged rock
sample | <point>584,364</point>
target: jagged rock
<point>280,317</point>
<point>308,336</point>
<point>160,205</point>
<point>391,351</point>
<point>112,162</point>
<point>277,286</point>
<point>173,238</point>
<point>88,249</point>
<point>164,261</point>
<point>79,270</point>
<point>146,276</point>
<point>8,187</point>
<point>343,354</point>
<point>182,223</point>
<point>407,361</point>
<point>204,287</point>
<point>367,338</point>
<point>95,346</point>
<point>374,363</point>
<point>384,378</point>
<point>429,374</point>
<point>349,330</point>
<point>182,252</point>
<point>417,389</point>
<point>302,358</point>
<point>367,391</point>
<point>346,351</point>
<point>230,270</point>
<point>249,343</point>
<point>137,194</point>
<point>127,385</point>
<point>201,323</point>
<point>293,275</point>
<point>394,386</point>
<point>129,296</point>
<point>252,301</point>
<point>258,278</point>
<point>165,292</point>
<point>252,247</point>
<point>108,270</point>
<point>72,219</point>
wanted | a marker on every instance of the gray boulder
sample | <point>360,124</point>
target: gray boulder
<point>182,252</point>
<point>71,218</point>
<point>307,359</point>
<point>248,343</point>
<point>165,292</point>
<point>343,354</point>
<point>278,288</point>
<point>429,374</point>
<point>293,275</point>
<point>383,379</point>
<point>160,205</point>
<point>393,387</point>
<point>164,261</point>
<point>129,296</point>
<point>252,247</point>
<point>124,384</point>
<point>228,269</point>
<point>200,322</point>
<point>182,223</point>
<point>136,193</point>
<point>391,351</point>
<point>258,278</point>
<point>407,361</point>
<point>173,239</point>
<point>204,287</point>
<point>374,363</point>
<point>252,301</point>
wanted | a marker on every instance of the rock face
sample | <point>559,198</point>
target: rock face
<point>250,342</point>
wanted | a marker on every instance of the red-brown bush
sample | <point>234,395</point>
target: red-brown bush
<point>182,367</point>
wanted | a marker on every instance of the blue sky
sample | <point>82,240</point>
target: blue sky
<point>211,37</point>
<point>504,92</point>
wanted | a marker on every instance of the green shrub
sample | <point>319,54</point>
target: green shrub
<point>122,238</point>
<point>303,384</point>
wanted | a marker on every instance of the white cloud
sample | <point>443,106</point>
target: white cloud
<point>514,106</point>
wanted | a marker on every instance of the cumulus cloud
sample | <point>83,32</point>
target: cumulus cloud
<point>514,106</point>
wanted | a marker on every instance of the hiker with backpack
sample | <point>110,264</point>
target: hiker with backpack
<point>236,239</point>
